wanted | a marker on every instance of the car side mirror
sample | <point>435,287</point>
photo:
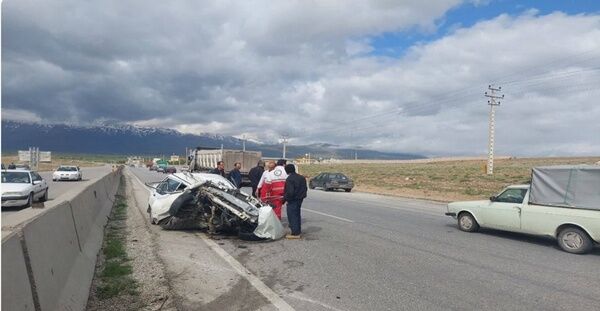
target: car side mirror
<point>37,182</point>
<point>493,198</point>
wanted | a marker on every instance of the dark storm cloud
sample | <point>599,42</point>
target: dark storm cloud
<point>263,68</point>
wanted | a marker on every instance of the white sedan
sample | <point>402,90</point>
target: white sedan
<point>67,172</point>
<point>22,187</point>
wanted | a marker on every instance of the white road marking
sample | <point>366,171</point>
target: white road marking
<point>328,215</point>
<point>245,273</point>
<point>277,301</point>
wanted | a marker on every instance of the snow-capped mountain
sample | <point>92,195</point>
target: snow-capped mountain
<point>115,138</point>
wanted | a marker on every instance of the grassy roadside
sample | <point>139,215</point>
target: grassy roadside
<point>113,281</point>
<point>442,181</point>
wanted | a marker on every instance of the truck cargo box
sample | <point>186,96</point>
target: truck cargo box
<point>566,186</point>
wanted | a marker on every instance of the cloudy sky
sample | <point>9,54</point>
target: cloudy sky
<point>402,75</point>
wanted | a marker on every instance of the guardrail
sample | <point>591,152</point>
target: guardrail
<point>48,262</point>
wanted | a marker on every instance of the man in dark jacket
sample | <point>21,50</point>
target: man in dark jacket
<point>235,176</point>
<point>255,174</point>
<point>219,170</point>
<point>295,192</point>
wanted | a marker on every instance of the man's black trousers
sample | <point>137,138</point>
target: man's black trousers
<point>293,215</point>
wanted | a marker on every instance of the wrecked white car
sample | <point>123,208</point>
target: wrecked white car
<point>208,201</point>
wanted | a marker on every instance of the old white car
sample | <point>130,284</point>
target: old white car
<point>22,188</point>
<point>562,202</point>
<point>67,172</point>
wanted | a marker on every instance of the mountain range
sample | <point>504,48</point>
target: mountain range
<point>134,140</point>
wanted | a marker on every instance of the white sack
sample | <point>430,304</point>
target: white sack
<point>269,226</point>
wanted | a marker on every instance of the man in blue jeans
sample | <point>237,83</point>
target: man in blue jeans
<point>294,194</point>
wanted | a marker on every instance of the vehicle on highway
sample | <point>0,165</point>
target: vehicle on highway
<point>211,202</point>
<point>205,159</point>
<point>331,181</point>
<point>160,169</point>
<point>562,202</point>
<point>67,172</point>
<point>171,170</point>
<point>22,188</point>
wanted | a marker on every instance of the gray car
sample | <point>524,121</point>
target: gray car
<point>331,181</point>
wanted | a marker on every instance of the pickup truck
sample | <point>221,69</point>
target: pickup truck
<point>575,226</point>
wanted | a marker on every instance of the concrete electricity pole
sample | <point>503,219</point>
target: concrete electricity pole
<point>284,141</point>
<point>493,103</point>
<point>244,142</point>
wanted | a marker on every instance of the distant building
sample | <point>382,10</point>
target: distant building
<point>174,158</point>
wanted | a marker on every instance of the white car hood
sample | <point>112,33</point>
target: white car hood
<point>454,206</point>
<point>14,187</point>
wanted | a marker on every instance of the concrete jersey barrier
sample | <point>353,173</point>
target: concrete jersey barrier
<point>54,254</point>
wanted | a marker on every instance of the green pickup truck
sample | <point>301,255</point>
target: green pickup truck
<point>562,202</point>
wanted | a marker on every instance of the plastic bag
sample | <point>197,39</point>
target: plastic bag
<point>269,226</point>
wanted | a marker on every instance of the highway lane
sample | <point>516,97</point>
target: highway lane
<point>370,252</point>
<point>13,215</point>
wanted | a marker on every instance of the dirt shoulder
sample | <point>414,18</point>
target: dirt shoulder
<point>129,273</point>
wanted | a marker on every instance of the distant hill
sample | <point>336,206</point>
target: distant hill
<point>134,140</point>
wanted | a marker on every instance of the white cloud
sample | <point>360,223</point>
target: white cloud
<point>301,67</point>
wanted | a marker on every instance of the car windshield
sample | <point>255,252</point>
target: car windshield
<point>15,177</point>
<point>67,169</point>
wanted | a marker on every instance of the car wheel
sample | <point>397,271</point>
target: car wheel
<point>44,198</point>
<point>310,186</point>
<point>574,240</point>
<point>29,200</point>
<point>467,223</point>
<point>348,190</point>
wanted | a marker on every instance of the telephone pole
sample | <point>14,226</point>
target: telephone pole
<point>284,141</point>
<point>494,100</point>
<point>244,142</point>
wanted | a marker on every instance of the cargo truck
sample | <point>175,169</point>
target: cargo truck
<point>203,160</point>
<point>562,202</point>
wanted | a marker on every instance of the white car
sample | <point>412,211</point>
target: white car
<point>67,172</point>
<point>22,187</point>
<point>184,201</point>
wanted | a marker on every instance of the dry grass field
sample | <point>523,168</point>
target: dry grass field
<point>56,161</point>
<point>440,181</point>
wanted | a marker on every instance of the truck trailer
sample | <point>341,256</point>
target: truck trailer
<point>203,160</point>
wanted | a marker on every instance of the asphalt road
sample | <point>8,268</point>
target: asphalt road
<point>13,215</point>
<point>370,252</point>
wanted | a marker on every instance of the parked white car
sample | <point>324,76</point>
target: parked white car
<point>22,188</point>
<point>67,172</point>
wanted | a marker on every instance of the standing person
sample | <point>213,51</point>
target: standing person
<point>235,176</point>
<point>219,170</point>
<point>255,174</point>
<point>275,186</point>
<point>295,192</point>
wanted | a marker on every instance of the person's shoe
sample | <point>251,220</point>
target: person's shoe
<point>293,237</point>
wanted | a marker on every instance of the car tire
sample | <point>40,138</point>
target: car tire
<point>310,186</point>
<point>467,223</point>
<point>348,190</point>
<point>574,240</point>
<point>44,198</point>
<point>29,200</point>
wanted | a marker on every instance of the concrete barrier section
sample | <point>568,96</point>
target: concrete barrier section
<point>16,289</point>
<point>61,250</point>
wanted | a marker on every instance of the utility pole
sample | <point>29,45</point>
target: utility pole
<point>494,100</point>
<point>244,142</point>
<point>284,141</point>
